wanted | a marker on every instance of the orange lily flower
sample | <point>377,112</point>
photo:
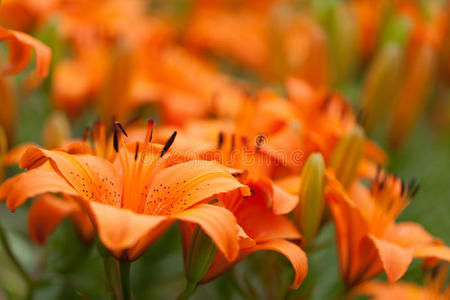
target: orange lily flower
<point>259,216</point>
<point>260,229</point>
<point>434,288</point>
<point>369,241</point>
<point>40,226</point>
<point>134,199</point>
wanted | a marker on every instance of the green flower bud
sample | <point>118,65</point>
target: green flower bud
<point>347,155</point>
<point>308,213</point>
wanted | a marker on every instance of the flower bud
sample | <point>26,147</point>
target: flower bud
<point>56,130</point>
<point>347,154</point>
<point>308,214</point>
<point>380,84</point>
<point>199,256</point>
<point>413,93</point>
<point>8,113</point>
<point>343,44</point>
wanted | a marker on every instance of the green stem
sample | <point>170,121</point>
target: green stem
<point>188,291</point>
<point>17,265</point>
<point>125,279</point>
<point>117,274</point>
<point>112,277</point>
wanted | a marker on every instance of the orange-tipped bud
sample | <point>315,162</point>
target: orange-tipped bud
<point>308,213</point>
<point>56,130</point>
<point>347,155</point>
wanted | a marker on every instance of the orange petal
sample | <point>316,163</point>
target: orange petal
<point>351,226</point>
<point>438,251</point>
<point>21,46</point>
<point>294,253</point>
<point>121,229</point>
<point>409,234</point>
<point>92,177</point>
<point>390,291</point>
<point>16,153</point>
<point>32,183</point>
<point>279,200</point>
<point>217,222</point>
<point>179,187</point>
<point>395,259</point>
<point>261,224</point>
<point>45,215</point>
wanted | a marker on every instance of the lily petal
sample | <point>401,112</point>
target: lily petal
<point>261,224</point>
<point>279,200</point>
<point>395,259</point>
<point>184,185</point>
<point>37,181</point>
<point>45,215</point>
<point>121,229</point>
<point>92,177</point>
<point>217,222</point>
<point>292,252</point>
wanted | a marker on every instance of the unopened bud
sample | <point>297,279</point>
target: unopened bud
<point>343,44</point>
<point>308,213</point>
<point>347,154</point>
<point>380,85</point>
<point>56,130</point>
<point>199,256</point>
<point>413,93</point>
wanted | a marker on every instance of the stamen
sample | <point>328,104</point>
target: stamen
<point>86,132</point>
<point>259,141</point>
<point>121,128</point>
<point>415,191</point>
<point>403,188</point>
<point>168,143</point>
<point>116,140</point>
<point>136,151</point>
<point>233,142</point>
<point>220,140</point>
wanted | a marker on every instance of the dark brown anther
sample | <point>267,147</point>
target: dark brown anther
<point>403,187</point>
<point>381,185</point>
<point>136,151</point>
<point>220,140</point>
<point>168,143</point>
<point>377,174</point>
<point>86,132</point>
<point>415,190</point>
<point>259,141</point>
<point>150,122</point>
<point>121,128</point>
<point>116,139</point>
